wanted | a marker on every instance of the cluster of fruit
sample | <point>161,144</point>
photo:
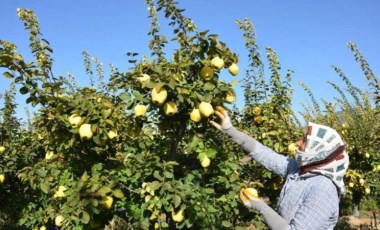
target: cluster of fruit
<point>85,129</point>
<point>356,182</point>
<point>159,93</point>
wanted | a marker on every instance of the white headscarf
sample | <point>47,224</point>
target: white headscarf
<point>321,142</point>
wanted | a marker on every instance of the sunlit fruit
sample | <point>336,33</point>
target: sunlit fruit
<point>2,178</point>
<point>205,162</point>
<point>206,109</point>
<point>179,216</point>
<point>256,110</point>
<point>85,131</point>
<point>344,126</point>
<point>139,110</point>
<point>367,190</point>
<point>257,119</point>
<point>108,201</point>
<point>159,95</point>
<point>217,63</point>
<point>59,220</point>
<point>49,155</point>
<point>361,181</point>
<point>170,108</point>
<point>2,149</point>
<point>195,115</point>
<point>351,185</point>
<point>251,192</point>
<point>43,228</point>
<point>246,193</point>
<point>292,148</point>
<point>60,192</point>
<point>230,97</point>
<point>112,134</point>
<point>144,78</point>
<point>233,69</point>
<point>206,73</point>
<point>367,155</point>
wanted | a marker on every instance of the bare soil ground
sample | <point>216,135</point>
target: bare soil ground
<point>368,221</point>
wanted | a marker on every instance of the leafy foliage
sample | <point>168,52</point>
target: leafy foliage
<point>143,169</point>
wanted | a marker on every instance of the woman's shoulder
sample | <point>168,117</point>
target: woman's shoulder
<point>322,184</point>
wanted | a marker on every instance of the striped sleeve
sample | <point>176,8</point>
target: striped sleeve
<point>277,163</point>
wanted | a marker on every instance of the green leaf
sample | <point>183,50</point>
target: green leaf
<point>8,75</point>
<point>24,90</point>
<point>168,174</point>
<point>84,176</point>
<point>201,155</point>
<point>209,86</point>
<point>233,83</point>
<point>45,187</point>
<point>85,217</point>
<point>183,91</point>
<point>176,200</point>
<point>125,96</point>
<point>110,122</point>
<point>155,185</point>
<point>157,175</point>
<point>208,97</point>
<point>226,223</point>
<point>209,191</point>
<point>104,190</point>
<point>118,193</point>
<point>211,153</point>
<point>41,172</point>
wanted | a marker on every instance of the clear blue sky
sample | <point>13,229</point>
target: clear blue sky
<point>308,36</point>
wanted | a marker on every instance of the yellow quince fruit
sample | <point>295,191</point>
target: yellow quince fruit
<point>245,193</point>
<point>75,120</point>
<point>108,201</point>
<point>217,63</point>
<point>49,155</point>
<point>206,162</point>
<point>144,78</point>
<point>85,131</point>
<point>179,216</point>
<point>206,73</point>
<point>195,115</point>
<point>170,108</point>
<point>256,110</point>
<point>2,178</point>
<point>292,148</point>
<point>206,109</point>
<point>112,134</point>
<point>233,69</point>
<point>140,110</point>
<point>60,192</point>
<point>59,220</point>
<point>230,97</point>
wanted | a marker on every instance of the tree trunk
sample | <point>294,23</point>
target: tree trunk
<point>356,198</point>
<point>177,137</point>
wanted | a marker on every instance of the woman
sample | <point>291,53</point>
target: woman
<point>314,183</point>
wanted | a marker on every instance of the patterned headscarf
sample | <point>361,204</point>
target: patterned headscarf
<point>324,154</point>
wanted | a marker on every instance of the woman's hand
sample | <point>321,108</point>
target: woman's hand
<point>250,200</point>
<point>225,122</point>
